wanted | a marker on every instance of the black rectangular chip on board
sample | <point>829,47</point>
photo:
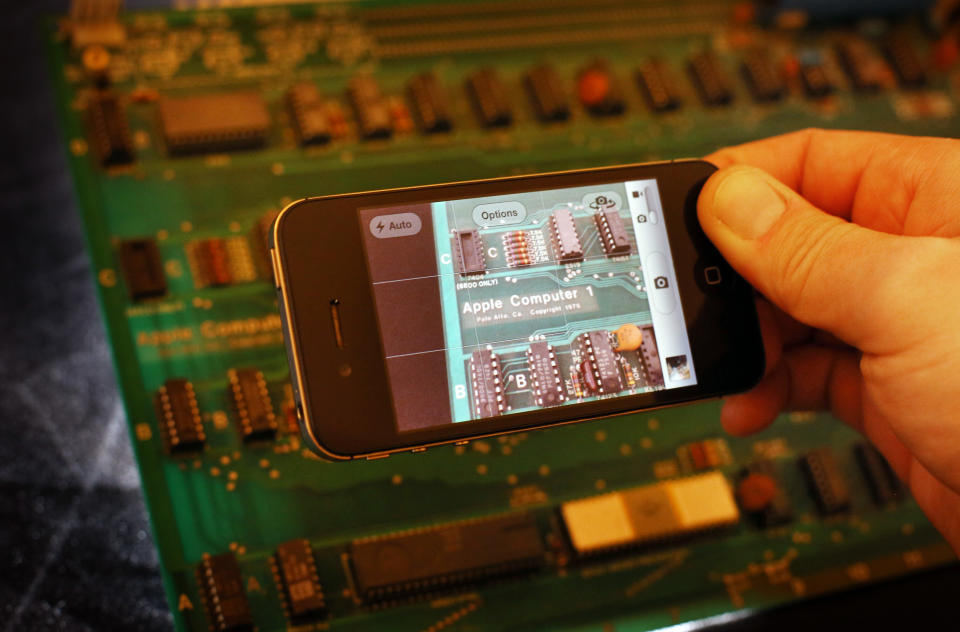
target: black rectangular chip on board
<point>217,122</point>
<point>446,557</point>
<point>600,365</point>
<point>109,130</point>
<point>489,98</point>
<point>566,241</point>
<point>308,114</point>
<point>180,419</point>
<point>905,60</point>
<point>142,268</point>
<point>866,69</point>
<point>826,481</point>
<point>650,355</point>
<point>297,570</point>
<point>468,245</point>
<point>252,404</point>
<point>545,374</point>
<point>816,82</point>
<point>486,383</point>
<point>659,86</point>
<point>429,104</point>
<point>885,485</point>
<point>613,234</point>
<point>370,108</point>
<point>710,79</point>
<point>547,94</point>
<point>763,77</point>
<point>223,594</point>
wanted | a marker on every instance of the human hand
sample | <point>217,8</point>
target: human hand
<point>852,238</point>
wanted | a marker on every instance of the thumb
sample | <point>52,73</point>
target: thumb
<point>825,272</point>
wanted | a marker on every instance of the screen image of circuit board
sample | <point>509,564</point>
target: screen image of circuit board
<point>188,129</point>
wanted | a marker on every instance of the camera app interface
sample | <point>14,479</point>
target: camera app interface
<point>504,304</point>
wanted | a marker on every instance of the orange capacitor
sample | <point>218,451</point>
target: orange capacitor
<point>756,491</point>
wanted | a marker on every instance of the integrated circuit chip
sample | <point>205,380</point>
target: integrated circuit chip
<point>468,245</point>
<point>142,268</point>
<point>109,130</point>
<point>710,79</point>
<point>297,572</point>
<point>613,235</point>
<point>221,261</point>
<point>650,513</point>
<point>308,114</point>
<point>252,403</point>
<point>885,485</point>
<point>489,98</point>
<point>650,356</point>
<point>429,104</point>
<point>547,94</point>
<point>223,593</point>
<point>905,60</point>
<point>446,557</point>
<point>180,419</point>
<point>762,75</point>
<point>370,108</point>
<point>816,82</point>
<point>211,123</point>
<point>486,382</point>
<point>545,374</point>
<point>601,368</point>
<point>566,241</point>
<point>826,482</point>
<point>866,70</point>
<point>659,86</point>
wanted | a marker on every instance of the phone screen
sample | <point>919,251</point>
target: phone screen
<point>496,305</point>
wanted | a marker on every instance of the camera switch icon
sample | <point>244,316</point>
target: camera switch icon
<point>661,282</point>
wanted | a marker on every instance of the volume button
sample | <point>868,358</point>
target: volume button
<point>275,263</point>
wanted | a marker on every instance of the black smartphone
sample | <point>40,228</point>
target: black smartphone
<point>439,314</point>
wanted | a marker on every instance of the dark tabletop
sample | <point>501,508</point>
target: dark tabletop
<point>75,546</point>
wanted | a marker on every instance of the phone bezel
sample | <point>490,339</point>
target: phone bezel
<point>348,414</point>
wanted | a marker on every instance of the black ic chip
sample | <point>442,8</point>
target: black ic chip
<point>613,235</point>
<point>710,79</point>
<point>816,82</point>
<point>252,404</point>
<point>566,241</point>
<point>600,365</point>
<point>370,108</point>
<point>546,91</point>
<point>486,383</point>
<point>445,558</point>
<point>308,113</point>
<point>142,268</point>
<point>885,485</point>
<point>469,250</point>
<point>763,77</point>
<point>659,86</point>
<point>220,122</point>
<point>866,70</point>
<point>180,418</point>
<point>905,60</point>
<point>545,374</point>
<point>825,480</point>
<point>489,98</point>
<point>429,104</point>
<point>297,571</point>
<point>109,130</point>
<point>223,593</point>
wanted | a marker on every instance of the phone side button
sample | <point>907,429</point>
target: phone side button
<point>417,450</point>
<point>375,457</point>
<point>465,442</point>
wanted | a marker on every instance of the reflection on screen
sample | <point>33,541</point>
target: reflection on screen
<point>498,305</point>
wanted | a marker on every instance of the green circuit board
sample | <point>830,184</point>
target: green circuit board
<point>185,140</point>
